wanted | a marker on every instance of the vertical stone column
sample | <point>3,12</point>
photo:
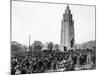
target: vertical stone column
<point>67,30</point>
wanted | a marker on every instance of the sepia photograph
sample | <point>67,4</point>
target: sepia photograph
<point>52,37</point>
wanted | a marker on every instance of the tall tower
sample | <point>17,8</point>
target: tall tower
<point>67,30</point>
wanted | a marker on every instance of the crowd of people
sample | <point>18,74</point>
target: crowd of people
<point>45,61</point>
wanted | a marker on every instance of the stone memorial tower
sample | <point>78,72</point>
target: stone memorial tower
<point>67,30</point>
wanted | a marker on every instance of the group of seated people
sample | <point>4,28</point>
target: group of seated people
<point>39,62</point>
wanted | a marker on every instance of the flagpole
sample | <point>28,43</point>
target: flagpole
<point>29,41</point>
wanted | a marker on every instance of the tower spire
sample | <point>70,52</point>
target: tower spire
<point>67,6</point>
<point>67,10</point>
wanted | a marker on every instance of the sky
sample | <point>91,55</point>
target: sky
<point>43,22</point>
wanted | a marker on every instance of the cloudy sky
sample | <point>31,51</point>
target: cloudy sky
<point>43,22</point>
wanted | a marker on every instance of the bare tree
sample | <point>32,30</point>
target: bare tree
<point>37,46</point>
<point>56,47</point>
<point>50,46</point>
